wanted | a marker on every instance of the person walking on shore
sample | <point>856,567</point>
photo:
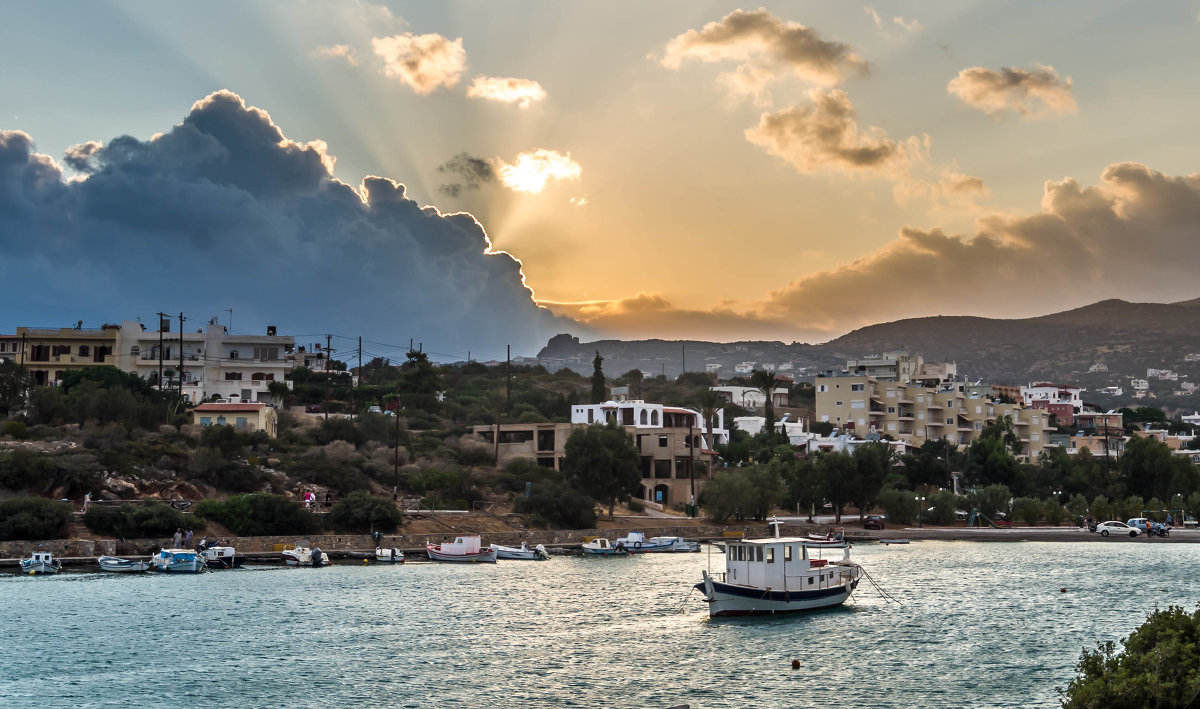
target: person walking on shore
<point>177,539</point>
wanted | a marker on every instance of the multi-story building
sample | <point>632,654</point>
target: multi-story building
<point>212,361</point>
<point>673,445</point>
<point>244,416</point>
<point>913,413</point>
<point>900,366</point>
<point>47,353</point>
<point>751,398</point>
<point>8,348</point>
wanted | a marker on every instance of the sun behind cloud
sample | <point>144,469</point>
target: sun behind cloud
<point>532,170</point>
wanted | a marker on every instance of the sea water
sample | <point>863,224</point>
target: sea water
<point>966,625</point>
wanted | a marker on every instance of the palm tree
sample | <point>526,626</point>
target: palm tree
<point>765,382</point>
<point>710,402</point>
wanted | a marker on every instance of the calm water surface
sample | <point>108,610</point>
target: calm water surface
<point>976,625</point>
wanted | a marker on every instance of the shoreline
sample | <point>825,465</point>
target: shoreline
<point>359,547</point>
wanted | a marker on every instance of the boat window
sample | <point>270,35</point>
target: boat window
<point>810,580</point>
<point>729,553</point>
<point>787,553</point>
<point>760,553</point>
<point>771,556</point>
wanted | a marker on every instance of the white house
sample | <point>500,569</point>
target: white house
<point>751,398</point>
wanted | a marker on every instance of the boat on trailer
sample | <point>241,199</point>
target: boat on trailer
<point>467,549</point>
<point>521,553</point>
<point>41,562</point>
<point>115,564</point>
<point>778,575</point>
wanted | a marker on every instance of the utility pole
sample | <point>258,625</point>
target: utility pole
<point>692,468</point>
<point>328,362</point>
<point>181,355</point>
<point>358,379</point>
<point>508,378</point>
<point>496,436</point>
<point>161,316</point>
<point>396,459</point>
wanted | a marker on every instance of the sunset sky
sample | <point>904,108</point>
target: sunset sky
<point>670,169</point>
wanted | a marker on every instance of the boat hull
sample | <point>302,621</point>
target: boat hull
<point>114,565</point>
<point>226,562</point>
<point>605,552</point>
<point>179,567</point>
<point>729,600</point>
<point>481,557</point>
<point>389,556</point>
<point>39,568</point>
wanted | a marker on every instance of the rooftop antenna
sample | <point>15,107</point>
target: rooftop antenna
<point>230,311</point>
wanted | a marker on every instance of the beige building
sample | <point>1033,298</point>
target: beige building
<point>671,442</point>
<point>242,416</point>
<point>902,367</point>
<point>47,353</point>
<point>914,414</point>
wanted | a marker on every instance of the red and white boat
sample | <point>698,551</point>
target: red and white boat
<point>463,549</point>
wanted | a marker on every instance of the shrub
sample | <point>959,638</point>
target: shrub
<point>557,504</point>
<point>137,521</point>
<point>898,505</point>
<point>360,511</point>
<point>259,514</point>
<point>16,429</point>
<point>34,518</point>
<point>636,505</point>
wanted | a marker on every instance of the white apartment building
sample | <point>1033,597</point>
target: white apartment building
<point>1053,394</point>
<point>900,366</point>
<point>214,362</point>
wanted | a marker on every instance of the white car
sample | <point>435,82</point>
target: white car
<point>1116,527</point>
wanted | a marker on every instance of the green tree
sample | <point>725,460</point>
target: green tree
<point>710,403</point>
<point>872,463</point>
<point>765,382</point>
<point>556,504</point>
<point>1155,668</point>
<point>419,383</point>
<point>725,496</point>
<point>362,512</point>
<point>599,389</point>
<point>1027,509</point>
<point>840,474</point>
<point>14,386</point>
<point>34,518</point>
<point>805,485</point>
<point>603,462</point>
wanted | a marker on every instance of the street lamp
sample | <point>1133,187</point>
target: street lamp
<point>920,504</point>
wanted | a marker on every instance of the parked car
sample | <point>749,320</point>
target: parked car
<point>1142,523</point>
<point>873,522</point>
<point>1116,527</point>
<point>374,410</point>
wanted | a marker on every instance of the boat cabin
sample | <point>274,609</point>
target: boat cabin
<point>461,545</point>
<point>41,557</point>
<point>779,563</point>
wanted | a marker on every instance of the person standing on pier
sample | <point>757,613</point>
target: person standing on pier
<point>177,539</point>
<point>187,542</point>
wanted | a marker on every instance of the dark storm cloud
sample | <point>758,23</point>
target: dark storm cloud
<point>470,170</point>
<point>225,211</point>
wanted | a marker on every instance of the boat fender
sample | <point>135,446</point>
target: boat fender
<point>637,545</point>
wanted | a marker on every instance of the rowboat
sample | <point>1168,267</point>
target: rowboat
<point>521,553</point>
<point>118,565</point>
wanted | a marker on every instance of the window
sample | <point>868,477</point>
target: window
<point>643,418</point>
<point>839,403</point>
<point>242,422</point>
<point>233,354</point>
<point>810,580</point>
<point>891,409</point>
<point>233,376</point>
<point>220,420</point>
<point>653,418</point>
<point>759,554</point>
<point>205,420</point>
<point>85,351</point>
<point>662,441</point>
<point>856,387</point>
<point>135,351</point>
<point>858,404</point>
<point>787,553</point>
<point>822,388</point>
<point>770,555</point>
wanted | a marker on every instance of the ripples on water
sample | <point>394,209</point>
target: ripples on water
<point>980,625</point>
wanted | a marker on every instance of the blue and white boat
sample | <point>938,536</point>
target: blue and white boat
<point>41,562</point>
<point>672,544</point>
<point>777,575</point>
<point>177,561</point>
<point>602,547</point>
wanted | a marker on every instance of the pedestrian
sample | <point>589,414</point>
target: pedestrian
<point>177,539</point>
<point>187,543</point>
<point>87,500</point>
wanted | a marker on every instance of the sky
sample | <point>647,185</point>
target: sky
<point>473,175</point>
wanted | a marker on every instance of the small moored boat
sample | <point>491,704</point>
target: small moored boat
<point>467,549</point>
<point>41,562</point>
<point>177,561</point>
<point>389,556</point>
<point>893,541</point>
<point>114,564</point>
<point>777,575</point>
<point>305,555</point>
<point>521,553</point>
<point>602,547</point>
<point>221,557</point>
<point>672,544</point>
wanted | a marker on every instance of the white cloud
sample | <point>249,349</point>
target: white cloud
<point>424,62</point>
<point>1029,92</point>
<point>530,171</point>
<point>342,51</point>
<point>910,25</point>
<point>522,92</point>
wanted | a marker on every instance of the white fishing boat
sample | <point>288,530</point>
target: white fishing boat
<point>222,557</point>
<point>834,538</point>
<point>777,575</point>
<point>672,544</point>
<point>114,564</point>
<point>389,556</point>
<point>521,553</point>
<point>177,561</point>
<point>602,547</point>
<point>468,549</point>
<point>303,554</point>
<point>637,543</point>
<point>41,562</point>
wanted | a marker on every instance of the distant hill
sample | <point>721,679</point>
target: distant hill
<point>1126,337</point>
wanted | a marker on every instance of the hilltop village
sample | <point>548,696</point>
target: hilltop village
<point>254,433</point>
